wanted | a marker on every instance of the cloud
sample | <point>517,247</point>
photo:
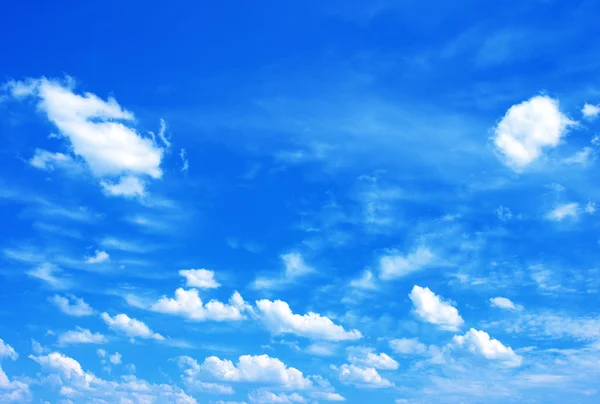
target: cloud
<point>67,367</point>
<point>408,346</point>
<point>480,343</point>
<point>98,258</point>
<point>279,319</point>
<point>188,304</point>
<point>98,131</point>
<point>327,396</point>
<point>7,351</point>
<point>294,268</point>
<point>45,160</point>
<point>72,305</point>
<point>81,336</point>
<point>504,303</point>
<point>12,390</point>
<point>130,326</point>
<point>568,210</point>
<point>363,356</point>
<point>583,156</point>
<point>38,348</point>
<point>590,111</point>
<point>362,377</point>
<point>266,397</point>
<point>528,128</point>
<point>248,369</point>
<point>47,273</point>
<point>185,163</point>
<point>366,281</point>
<point>200,278</point>
<point>397,266</point>
<point>429,307</point>
<point>321,349</point>
<point>115,358</point>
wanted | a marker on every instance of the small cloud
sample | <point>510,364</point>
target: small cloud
<point>100,257</point>
<point>366,281</point>
<point>72,305</point>
<point>363,377</point>
<point>582,157</point>
<point>115,359</point>
<point>408,346</point>
<point>429,307</point>
<point>590,207</point>
<point>200,278</point>
<point>127,186</point>
<point>130,326</point>
<point>294,268</point>
<point>504,303</point>
<point>504,213</point>
<point>562,212</point>
<point>185,163</point>
<point>397,266</point>
<point>81,336</point>
<point>590,111</point>
<point>48,273</point>
<point>479,343</point>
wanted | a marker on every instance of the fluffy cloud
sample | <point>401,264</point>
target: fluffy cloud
<point>528,128</point>
<point>130,326</point>
<point>72,305</point>
<point>49,273</point>
<point>115,358</point>
<point>98,258</point>
<point>81,336</point>
<point>13,391</point>
<point>363,377</point>
<point>266,397</point>
<point>45,160</point>
<point>397,266</point>
<point>294,268</point>
<point>504,303</point>
<point>429,307</point>
<point>249,368</point>
<point>480,343</point>
<point>187,303</point>
<point>562,212</point>
<point>200,278</point>
<point>590,111</point>
<point>366,281</point>
<point>7,351</point>
<point>279,319</point>
<point>98,131</point>
<point>408,346</point>
<point>327,396</point>
<point>363,356</point>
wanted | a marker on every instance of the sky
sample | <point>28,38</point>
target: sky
<point>299,202</point>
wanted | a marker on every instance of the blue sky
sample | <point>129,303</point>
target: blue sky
<point>299,202</point>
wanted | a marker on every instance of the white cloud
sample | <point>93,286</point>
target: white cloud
<point>185,163</point>
<point>266,397</point>
<point>568,210</point>
<point>429,307</point>
<point>590,208</point>
<point>504,214</point>
<point>98,131</point>
<point>127,186</point>
<point>397,266</point>
<point>366,281</point>
<point>67,367</point>
<point>408,346</point>
<point>12,391</point>
<point>101,353</point>
<point>321,349</point>
<point>363,377</point>
<point>45,160</point>
<point>98,258</point>
<point>115,358</point>
<point>72,305</point>
<point>47,273</point>
<point>294,268</point>
<point>365,357</point>
<point>249,368</point>
<point>583,156</point>
<point>480,343</point>
<point>200,278</point>
<point>279,319</point>
<point>81,336</point>
<point>504,303</point>
<point>130,326</point>
<point>38,348</point>
<point>590,111</point>
<point>528,128</point>
<point>327,396</point>
<point>7,351</point>
<point>188,304</point>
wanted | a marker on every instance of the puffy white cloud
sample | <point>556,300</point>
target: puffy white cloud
<point>7,351</point>
<point>38,348</point>
<point>528,128</point>
<point>366,281</point>
<point>397,266</point>
<point>188,304</point>
<point>504,303</point>
<point>98,131</point>
<point>12,391</point>
<point>321,349</point>
<point>363,377</point>
<point>72,305</point>
<point>408,346</point>
<point>67,367</point>
<point>81,336</point>
<point>327,396</point>
<point>98,258</point>
<point>279,319</point>
<point>130,326</point>
<point>583,156</point>
<point>200,278</point>
<point>590,111</point>
<point>45,160</point>
<point>249,368</point>
<point>266,397</point>
<point>480,343</point>
<point>429,307</point>
<point>294,268</point>
<point>115,358</point>
<point>365,357</point>
<point>185,163</point>
<point>48,273</point>
<point>127,186</point>
<point>568,210</point>
<point>101,353</point>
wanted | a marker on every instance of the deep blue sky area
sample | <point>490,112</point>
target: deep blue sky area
<point>299,202</point>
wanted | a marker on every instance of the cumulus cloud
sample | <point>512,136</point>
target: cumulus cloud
<point>188,304</point>
<point>130,326</point>
<point>99,131</point>
<point>7,351</point>
<point>363,356</point>
<point>200,278</point>
<point>562,212</point>
<point>480,343</point>
<point>590,111</point>
<point>408,346</point>
<point>81,336</point>
<point>582,157</point>
<point>429,307</point>
<point>504,303</point>
<point>294,267</point>
<point>249,369</point>
<point>528,128</point>
<point>366,281</point>
<point>72,305</point>
<point>279,319</point>
<point>45,160</point>
<point>267,397</point>
<point>115,358</point>
<point>362,377</point>
<point>98,258</point>
<point>397,266</point>
<point>327,396</point>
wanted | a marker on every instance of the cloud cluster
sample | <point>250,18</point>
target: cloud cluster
<point>431,308</point>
